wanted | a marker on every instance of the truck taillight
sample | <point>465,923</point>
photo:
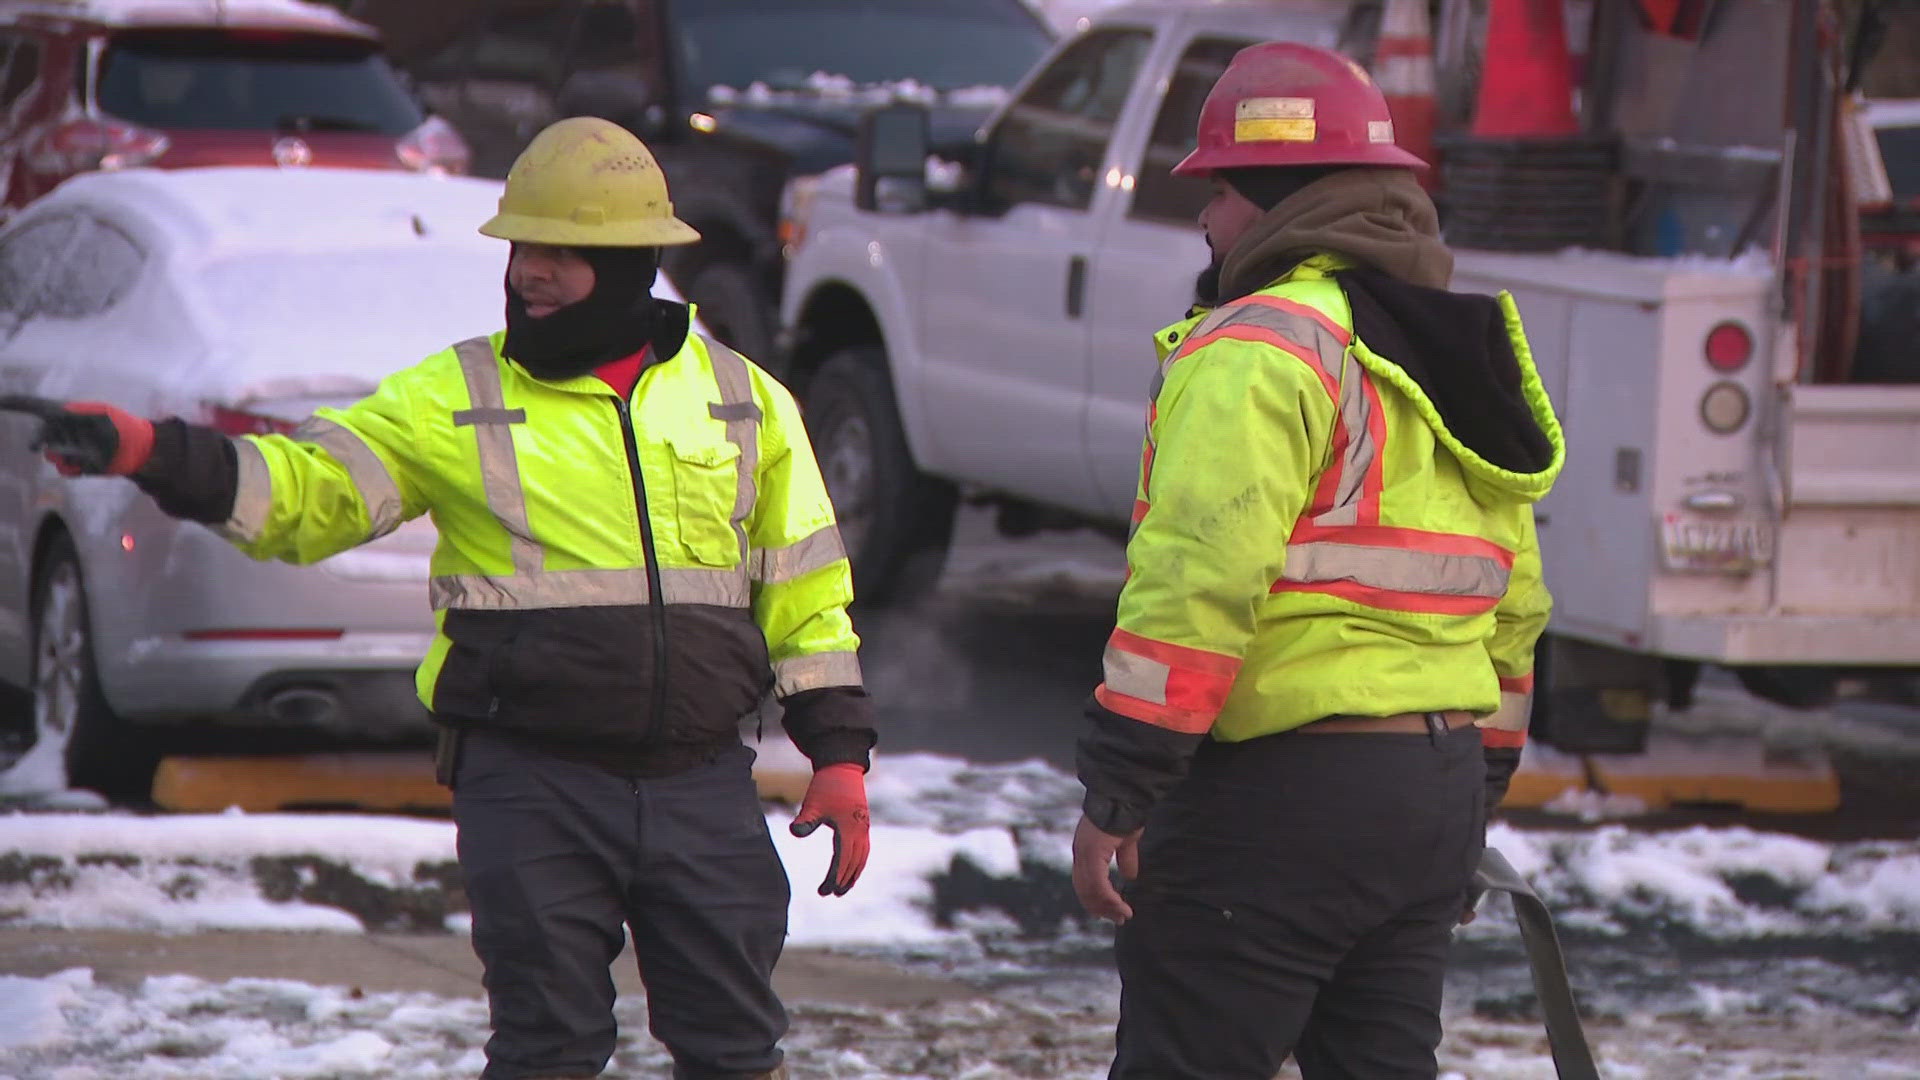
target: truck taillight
<point>1729,347</point>
<point>85,145</point>
<point>434,147</point>
<point>240,422</point>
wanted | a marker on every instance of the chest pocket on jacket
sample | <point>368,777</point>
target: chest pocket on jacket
<point>706,483</point>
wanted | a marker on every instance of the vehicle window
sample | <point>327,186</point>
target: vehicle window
<point>1051,143</point>
<point>22,72</point>
<point>235,80</point>
<point>943,44</point>
<point>99,266</point>
<point>27,257</point>
<point>1900,149</point>
<point>1158,195</point>
<point>607,38</point>
<point>523,42</point>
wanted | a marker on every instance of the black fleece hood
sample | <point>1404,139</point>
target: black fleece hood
<point>617,319</point>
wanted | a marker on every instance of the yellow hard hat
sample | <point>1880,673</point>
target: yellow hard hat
<point>586,182</point>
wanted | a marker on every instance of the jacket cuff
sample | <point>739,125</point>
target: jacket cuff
<point>1128,766</point>
<point>1111,816</point>
<point>192,473</point>
<point>832,725</point>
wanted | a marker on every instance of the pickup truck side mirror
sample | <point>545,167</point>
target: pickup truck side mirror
<point>890,159</point>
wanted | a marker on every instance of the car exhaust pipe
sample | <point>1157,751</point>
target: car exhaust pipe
<point>303,706</point>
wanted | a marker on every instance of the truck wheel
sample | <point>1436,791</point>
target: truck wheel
<point>733,309</point>
<point>72,722</point>
<point>895,520</point>
<point>1794,687</point>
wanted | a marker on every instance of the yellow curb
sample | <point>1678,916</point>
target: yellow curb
<point>392,781</point>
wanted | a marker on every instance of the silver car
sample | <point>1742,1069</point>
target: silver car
<point>242,298</point>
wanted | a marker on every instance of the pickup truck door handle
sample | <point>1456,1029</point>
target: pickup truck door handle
<point>1076,285</point>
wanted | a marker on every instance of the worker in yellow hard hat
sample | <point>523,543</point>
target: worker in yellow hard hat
<point>635,546</point>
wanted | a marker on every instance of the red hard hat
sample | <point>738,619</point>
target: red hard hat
<point>1281,103</point>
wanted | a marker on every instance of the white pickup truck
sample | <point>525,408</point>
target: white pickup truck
<point>981,330</point>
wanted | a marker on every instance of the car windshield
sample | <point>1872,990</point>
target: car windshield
<point>944,44</point>
<point>1900,149</point>
<point>253,81</point>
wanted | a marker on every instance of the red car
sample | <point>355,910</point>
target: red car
<point>110,84</point>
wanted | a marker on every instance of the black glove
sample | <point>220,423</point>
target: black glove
<point>85,439</point>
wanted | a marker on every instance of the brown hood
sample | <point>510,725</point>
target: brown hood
<point>1379,217</point>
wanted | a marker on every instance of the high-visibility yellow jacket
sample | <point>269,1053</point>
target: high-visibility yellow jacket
<point>632,571</point>
<point>1311,538</point>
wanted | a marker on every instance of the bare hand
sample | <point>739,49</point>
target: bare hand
<point>1094,852</point>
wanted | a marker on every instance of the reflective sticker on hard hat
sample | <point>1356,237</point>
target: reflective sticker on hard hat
<point>1273,131</point>
<point>1380,131</point>
<point>1274,108</point>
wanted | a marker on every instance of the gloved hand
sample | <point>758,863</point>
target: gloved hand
<point>87,438</point>
<point>837,795</point>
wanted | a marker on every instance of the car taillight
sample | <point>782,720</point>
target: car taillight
<point>239,422</point>
<point>84,145</point>
<point>1729,347</point>
<point>434,147</point>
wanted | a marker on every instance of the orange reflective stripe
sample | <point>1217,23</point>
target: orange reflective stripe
<point>1393,536</point>
<point>1500,737</point>
<point>1166,685</point>
<point>1522,684</point>
<point>1393,600</point>
<point>1293,307</point>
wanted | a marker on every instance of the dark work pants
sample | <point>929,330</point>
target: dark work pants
<point>1297,895</point>
<point>558,855</point>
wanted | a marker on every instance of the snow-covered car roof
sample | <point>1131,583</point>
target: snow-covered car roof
<point>262,284</point>
<point>213,210</point>
<point>240,14</point>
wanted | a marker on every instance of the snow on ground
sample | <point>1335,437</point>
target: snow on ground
<point>1737,927</point>
<point>932,816</point>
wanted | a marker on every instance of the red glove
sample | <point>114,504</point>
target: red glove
<point>838,796</point>
<point>94,438</point>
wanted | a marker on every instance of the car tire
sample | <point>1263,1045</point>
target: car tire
<point>99,750</point>
<point>733,309</point>
<point>897,521</point>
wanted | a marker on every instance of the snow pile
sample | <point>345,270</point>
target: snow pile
<point>843,89</point>
<point>958,851</point>
<point>1719,883</point>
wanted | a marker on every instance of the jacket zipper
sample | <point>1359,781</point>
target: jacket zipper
<point>655,599</point>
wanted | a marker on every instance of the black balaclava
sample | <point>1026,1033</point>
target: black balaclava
<point>615,320</point>
<point>1265,186</point>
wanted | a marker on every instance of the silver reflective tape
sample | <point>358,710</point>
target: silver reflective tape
<point>1395,569</point>
<point>815,672</point>
<point>1135,676</point>
<point>378,492</point>
<point>253,495</point>
<point>587,588</point>
<point>822,549</point>
<point>499,464</point>
<point>469,417</point>
<point>742,417</point>
<point>1356,409</point>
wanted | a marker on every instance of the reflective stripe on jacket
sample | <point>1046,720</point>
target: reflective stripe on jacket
<point>1309,539</point>
<point>541,581</point>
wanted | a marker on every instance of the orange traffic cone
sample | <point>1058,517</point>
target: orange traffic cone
<point>1403,66</point>
<point>1526,83</point>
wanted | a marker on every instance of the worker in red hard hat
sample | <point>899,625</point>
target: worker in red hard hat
<point>1319,677</point>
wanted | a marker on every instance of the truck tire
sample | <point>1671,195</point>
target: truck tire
<point>71,716</point>
<point>897,522</point>
<point>733,309</point>
<point>1796,687</point>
